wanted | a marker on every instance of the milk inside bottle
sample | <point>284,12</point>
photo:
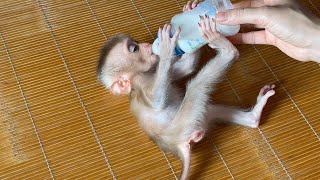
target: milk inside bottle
<point>190,37</point>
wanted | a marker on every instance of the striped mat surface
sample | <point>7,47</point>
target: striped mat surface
<point>58,122</point>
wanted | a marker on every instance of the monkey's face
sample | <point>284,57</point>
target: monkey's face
<point>127,59</point>
<point>132,56</point>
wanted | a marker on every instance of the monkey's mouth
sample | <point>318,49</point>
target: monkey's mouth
<point>152,55</point>
<point>154,58</point>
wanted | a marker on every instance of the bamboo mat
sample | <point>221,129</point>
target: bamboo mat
<point>58,122</point>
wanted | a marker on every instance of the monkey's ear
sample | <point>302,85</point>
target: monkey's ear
<point>121,87</point>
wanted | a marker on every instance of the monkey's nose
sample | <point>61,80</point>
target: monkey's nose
<point>149,49</point>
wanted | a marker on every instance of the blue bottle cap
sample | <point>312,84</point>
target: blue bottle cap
<point>178,51</point>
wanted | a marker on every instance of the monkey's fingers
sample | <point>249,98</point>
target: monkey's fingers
<point>165,27</point>
<point>202,29</point>
<point>214,25</point>
<point>168,29</point>
<point>202,23</point>
<point>207,21</point>
<point>175,36</point>
<point>210,28</point>
<point>160,35</point>
<point>165,33</point>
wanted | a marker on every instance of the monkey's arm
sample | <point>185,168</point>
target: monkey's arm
<point>162,78</point>
<point>196,98</point>
<point>185,65</point>
<point>194,104</point>
<point>189,124</point>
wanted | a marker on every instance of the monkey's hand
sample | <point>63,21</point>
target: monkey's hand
<point>167,44</point>
<point>216,40</point>
<point>162,79</point>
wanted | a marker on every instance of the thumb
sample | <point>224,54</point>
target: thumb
<point>257,16</point>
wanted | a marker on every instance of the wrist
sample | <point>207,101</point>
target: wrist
<point>165,63</point>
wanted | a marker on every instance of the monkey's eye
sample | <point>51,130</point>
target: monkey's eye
<point>134,48</point>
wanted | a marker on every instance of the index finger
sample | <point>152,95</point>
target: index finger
<point>258,16</point>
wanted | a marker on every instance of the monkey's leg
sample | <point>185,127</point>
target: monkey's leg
<point>240,116</point>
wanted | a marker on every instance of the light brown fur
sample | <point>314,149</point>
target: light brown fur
<point>174,120</point>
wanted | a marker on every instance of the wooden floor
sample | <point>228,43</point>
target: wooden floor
<point>58,122</point>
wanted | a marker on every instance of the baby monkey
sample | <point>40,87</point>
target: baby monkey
<point>174,120</point>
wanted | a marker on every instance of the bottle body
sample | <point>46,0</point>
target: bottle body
<point>190,38</point>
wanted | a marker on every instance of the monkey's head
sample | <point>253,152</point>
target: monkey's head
<point>122,59</point>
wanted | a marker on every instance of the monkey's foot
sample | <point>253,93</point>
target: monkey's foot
<point>262,99</point>
<point>267,91</point>
<point>195,137</point>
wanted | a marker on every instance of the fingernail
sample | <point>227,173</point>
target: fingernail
<point>206,15</point>
<point>222,16</point>
<point>200,17</point>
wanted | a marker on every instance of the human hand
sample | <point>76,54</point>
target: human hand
<point>190,5</point>
<point>284,23</point>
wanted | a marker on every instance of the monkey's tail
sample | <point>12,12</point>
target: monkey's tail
<point>184,152</point>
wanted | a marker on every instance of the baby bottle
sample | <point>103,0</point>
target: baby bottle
<point>190,38</point>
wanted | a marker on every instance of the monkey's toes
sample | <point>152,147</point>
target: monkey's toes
<point>270,93</point>
<point>266,89</point>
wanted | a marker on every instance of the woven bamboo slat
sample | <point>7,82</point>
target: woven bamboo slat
<point>58,122</point>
